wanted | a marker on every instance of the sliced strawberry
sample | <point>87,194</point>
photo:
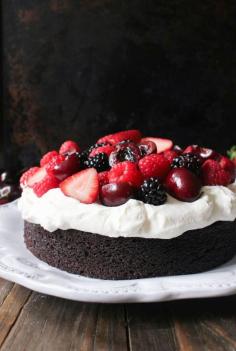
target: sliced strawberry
<point>106,149</point>
<point>133,135</point>
<point>83,186</point>
<point>39,175</point>
<point>47,183</point>
<point>48,157</point>
<point>103,178</point>
<point>69,147</point>
<point>154,166</point>
<point>212,173</point>
<point>161,144</point>
<point>27,175</point>
<point>125,172</point>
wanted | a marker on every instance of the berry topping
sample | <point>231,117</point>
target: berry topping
<point>83,186</point>
<point>99,162</point>
<point>147,148</point>
<point>64,166</point>
<point>126,172</point>
<point>203,152</point>
<point>27,175</point>
<point>48,157</point>
<point>69,147</point>
<point>36,176</point>
<point>116,194</point>
<point>183,184</point>
<point>161,144</point>
<point>154,166</point>
<point>192,162</point>
<point>44,185</point>
<point>133,135</point>
<point>103,178</point>
<point>106,149</point>
<point>152,192</point>
<point>127,151</point>
<point>170,155</point>
<point>215,173</point>
<point>228,166</point>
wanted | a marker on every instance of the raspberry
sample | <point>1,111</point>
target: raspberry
<point>228,166</point>
<point>133,135</point>
<point>212,173</point>
<point>55,161</point>
<point>47,183</point>
<point>103,178</point>
<point>27,175</point>
<point>152,192</point>
<point>69,147</point>
<point>48,157</point>
<point>126,172</point>
<point>107,149</point>
<point>170,155</point>
<point>154,165</point>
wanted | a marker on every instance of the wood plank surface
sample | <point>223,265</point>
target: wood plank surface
<point>48,323</point>
<point>31,321</point>
<point>11,308</point>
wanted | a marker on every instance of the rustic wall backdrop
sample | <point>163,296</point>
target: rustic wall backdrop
<point>82,68</point>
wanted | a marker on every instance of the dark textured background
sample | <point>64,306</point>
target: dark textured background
<point>81,69</point>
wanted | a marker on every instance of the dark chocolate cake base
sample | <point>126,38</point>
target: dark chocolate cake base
<point>99,256</point>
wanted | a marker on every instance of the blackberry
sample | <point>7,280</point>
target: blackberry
<point>100,162</point>
<point>190,161</point>
<point>152,192</point>
<point>84,155</point>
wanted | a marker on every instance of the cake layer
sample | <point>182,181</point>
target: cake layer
<point>98,256</point>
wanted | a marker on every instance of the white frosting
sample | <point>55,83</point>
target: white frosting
<point>54,211</point>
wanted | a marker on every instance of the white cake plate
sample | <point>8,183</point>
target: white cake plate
<point>17,264</point>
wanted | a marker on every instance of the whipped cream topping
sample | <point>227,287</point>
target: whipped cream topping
<point>55,211</point>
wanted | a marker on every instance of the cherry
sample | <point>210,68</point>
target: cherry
<point>203,152</point>
<point>125,151</point>
<point>147,147</point>
<point>69,166</point>
<point>183,184</point>
<point>115,194</point>
<point>9,192</point>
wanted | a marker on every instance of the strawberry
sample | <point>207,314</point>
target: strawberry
<point>69,147</point>
<point>103,178</point>
<point>24,179</point>
<point>161,144</point>
<point>212,173</point>
<point>54,162</point>
<point>170,155</point>
<point>37,176</point>
<point>133,135</point>
<point>154,166</point>
<point>83,186</point>
<point>107,149</point>
<point>47,183</point>
<point>125,172</point>
<point>47,157</point>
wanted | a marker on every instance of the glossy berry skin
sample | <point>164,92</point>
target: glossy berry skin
<point>69,147</point>
<point>147,147</point>
<point>69,166</point>
<point>125,151</point>
<point>203,152</point>
<point>183,184</point>
<point>115,194</point>
<point>9,192</point>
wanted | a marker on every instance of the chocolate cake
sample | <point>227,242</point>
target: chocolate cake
<point>99,256</point>
<point>130,207</point>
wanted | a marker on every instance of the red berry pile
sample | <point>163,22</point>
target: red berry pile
<point>124,165</point>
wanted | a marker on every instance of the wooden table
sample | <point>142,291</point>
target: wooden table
<point>33,321</point>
